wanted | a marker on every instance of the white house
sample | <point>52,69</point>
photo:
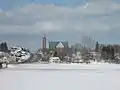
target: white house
<point>54,60</point>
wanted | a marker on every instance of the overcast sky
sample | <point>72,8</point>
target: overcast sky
<point>24,22</point>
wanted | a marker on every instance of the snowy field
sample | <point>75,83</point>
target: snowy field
<point>60,77</point>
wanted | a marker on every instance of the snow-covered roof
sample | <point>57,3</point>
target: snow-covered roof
<point>60,45</point>
<point>54,58</point>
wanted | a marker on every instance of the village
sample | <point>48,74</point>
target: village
<point>89,51</point>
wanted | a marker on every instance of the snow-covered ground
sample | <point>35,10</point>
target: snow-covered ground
<point>60,77</point>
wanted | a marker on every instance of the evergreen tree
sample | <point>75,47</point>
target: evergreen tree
<point>97,47</point>
<point>5,47</point>
<point>112,53</point>
<point>2,46</point>
<point>55,54</point>
<point>104,53</point>
<point>104,49</point>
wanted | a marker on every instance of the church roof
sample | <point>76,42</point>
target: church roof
<point>53,45</point>
<point>60,45</point>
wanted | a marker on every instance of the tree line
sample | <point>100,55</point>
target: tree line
<point>107,51</point>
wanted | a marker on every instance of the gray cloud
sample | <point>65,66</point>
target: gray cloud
<point>36,18</point>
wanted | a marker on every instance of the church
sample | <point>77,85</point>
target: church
<point>62,48</point>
